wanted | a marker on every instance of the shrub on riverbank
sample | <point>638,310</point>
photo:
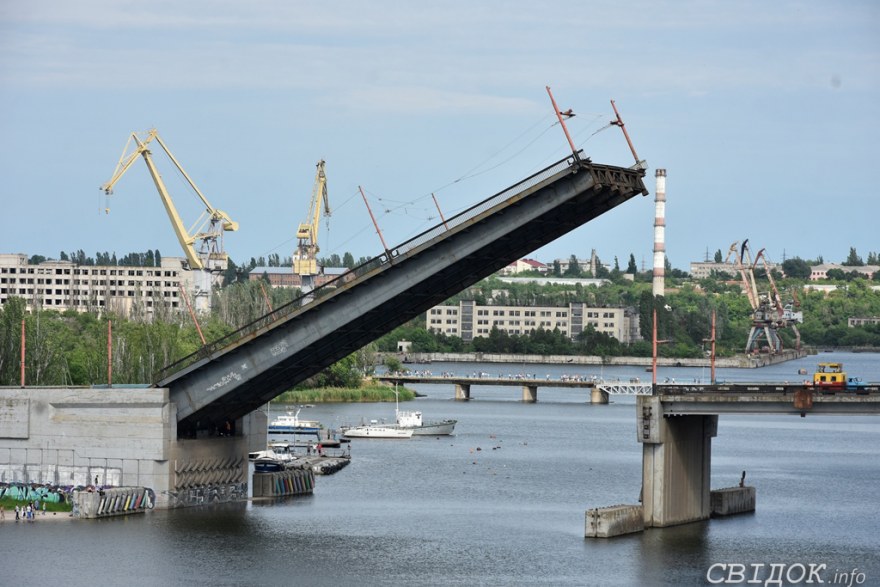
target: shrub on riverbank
<point>371,393</point>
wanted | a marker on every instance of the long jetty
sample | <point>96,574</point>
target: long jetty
<point>599,388</point>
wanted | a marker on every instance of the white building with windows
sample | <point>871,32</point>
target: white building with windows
<point>64,285</point>
<point>468,320</point>
<point>523,265</point>
<point>819,272</point>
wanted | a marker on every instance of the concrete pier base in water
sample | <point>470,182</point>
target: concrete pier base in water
<point>462,391</point>
<point>117,501</point>
<point>530,393</point>
<point>598,396</point>
<point>676,464</point>
<point>291,482</point>
<point>732,500</point>
<point>614,521</point>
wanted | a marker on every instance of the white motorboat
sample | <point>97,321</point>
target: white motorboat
<point>376,430</point>
<point>413,421</point>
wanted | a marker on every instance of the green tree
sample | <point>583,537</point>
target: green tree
<point>574,268</point>
<point>796,268</point>
<point>853,259</point>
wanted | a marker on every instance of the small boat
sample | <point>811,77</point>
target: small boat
<point>413,421</point>
<point>406,420</point>
<point>376,430</point>
<point>290,423</point>
<point>275,458</point>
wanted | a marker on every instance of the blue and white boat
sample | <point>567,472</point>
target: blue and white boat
<point>290,423</point>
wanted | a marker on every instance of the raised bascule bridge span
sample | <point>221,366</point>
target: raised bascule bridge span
<point>229,378</point>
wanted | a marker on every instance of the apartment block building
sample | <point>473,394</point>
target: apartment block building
<point>468,320</point>
<point>64,285</point>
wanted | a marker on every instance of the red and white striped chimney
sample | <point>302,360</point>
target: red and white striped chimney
<point>659,233</point>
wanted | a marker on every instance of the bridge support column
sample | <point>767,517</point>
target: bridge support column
<point>530,393</point>
<point>462,391</point>
<point>598,396</point>
<point>676,464</point>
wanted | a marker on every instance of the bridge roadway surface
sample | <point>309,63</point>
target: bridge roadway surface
<point>232,377</point>
<point>692,399</point>
<point>765,398</point>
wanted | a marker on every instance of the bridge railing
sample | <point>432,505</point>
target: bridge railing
<point>366,268</point>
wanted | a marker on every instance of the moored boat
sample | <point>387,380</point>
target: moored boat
<point>413,421</point>
<point>376,430</point>
<point>290,423</point>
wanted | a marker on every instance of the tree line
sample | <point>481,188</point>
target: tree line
<point>70,348</point>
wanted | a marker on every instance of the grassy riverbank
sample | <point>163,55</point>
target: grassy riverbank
<point>9,504</point>
<point>366,393</point>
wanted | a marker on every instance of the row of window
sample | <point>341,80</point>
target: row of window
<point>100,303</point>
<point>11,291</point>
<point>40,281</point>
<point>129,272</point>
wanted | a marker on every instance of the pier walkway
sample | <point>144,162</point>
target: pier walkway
<point>599,388</point>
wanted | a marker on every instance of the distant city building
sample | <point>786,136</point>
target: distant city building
<point>285,277</point>
<point>704,269</point>
<point>592,264</point>
<point>851,322</point>
<point>818,272</point>
<point>468,320</point>
<point>582,281</point>
<point>65,285</point>
<point>523,265</point>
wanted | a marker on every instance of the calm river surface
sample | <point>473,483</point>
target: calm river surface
<point>501,502</point>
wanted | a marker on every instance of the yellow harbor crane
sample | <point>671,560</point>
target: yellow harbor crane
<point>207,229</point>
<point>305,261</point>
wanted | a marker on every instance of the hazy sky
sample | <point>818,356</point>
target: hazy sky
<point>765,115</point>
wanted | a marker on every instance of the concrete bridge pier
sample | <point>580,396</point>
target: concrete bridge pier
<point>462,391</point>
<point>676,464</point>
<point>530,393</point>
<point>598,396</point>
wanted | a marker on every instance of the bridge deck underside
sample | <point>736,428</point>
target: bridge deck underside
<point>245,376</point>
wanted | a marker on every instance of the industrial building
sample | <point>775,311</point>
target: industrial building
<point>468,320</point>
<point>65,285</point>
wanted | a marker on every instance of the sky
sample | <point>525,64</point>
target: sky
<point>766,116</point>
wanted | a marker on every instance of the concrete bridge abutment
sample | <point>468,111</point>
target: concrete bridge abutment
<point>676,464</point>
<point>530,393</point>
<point>462,391</point>
<point>122,436</point>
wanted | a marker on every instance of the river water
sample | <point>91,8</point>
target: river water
<point>502,502</point>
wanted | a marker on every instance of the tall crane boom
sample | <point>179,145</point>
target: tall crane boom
<point>207,229</point>
<point>305,260</point>
<point>768,312</point>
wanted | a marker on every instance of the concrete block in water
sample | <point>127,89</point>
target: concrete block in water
<point>732,500</point>
<point>614,521</point>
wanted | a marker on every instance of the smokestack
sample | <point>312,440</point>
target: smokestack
<point>659,233</point>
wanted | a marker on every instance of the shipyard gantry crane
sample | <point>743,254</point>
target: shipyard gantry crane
<point>207,230</point>
<point>305,258</point>
<point>768,312</point>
